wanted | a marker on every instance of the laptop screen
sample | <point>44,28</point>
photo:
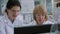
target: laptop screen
<point>33,29</point>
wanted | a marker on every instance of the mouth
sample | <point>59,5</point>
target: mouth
<point>40,20</point>
<point>14,16</point>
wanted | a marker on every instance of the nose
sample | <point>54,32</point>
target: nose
<point>16,13</point>
<point>40,17</point>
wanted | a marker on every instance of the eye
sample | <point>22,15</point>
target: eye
<point>12,10</point>
<point>37,15</point>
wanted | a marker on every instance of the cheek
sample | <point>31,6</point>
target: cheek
<point>37,19</point>
<point>18,13</point>
<point>10,14</point>
<point>43,18</point>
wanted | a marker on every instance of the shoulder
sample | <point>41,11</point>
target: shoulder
<point>34,22</point>
<point>1,18</point>
<point>1,22</point>
<point>48,22</point>
<point>19,17</point>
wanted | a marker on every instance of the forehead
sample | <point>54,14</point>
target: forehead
<point>15,8</point>
<point>40,11</point>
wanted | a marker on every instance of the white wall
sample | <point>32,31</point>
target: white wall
<point>27,6</point>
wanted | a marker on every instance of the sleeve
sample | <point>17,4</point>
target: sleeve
<point>2,28</point>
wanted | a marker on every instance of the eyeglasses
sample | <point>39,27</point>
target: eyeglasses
<point>38,15</point>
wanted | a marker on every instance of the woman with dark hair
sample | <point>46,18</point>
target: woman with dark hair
<point>57,12</point>
<point>11,17</point>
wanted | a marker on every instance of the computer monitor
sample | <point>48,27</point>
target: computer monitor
<point>33,29</point>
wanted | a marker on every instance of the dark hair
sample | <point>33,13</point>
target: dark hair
<point>12,3</point>
<point>58,5</point>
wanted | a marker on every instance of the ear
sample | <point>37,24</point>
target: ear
<point>6,10</point>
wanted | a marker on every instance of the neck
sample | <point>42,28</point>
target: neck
<point>40,23</point>
<point>12,20</point>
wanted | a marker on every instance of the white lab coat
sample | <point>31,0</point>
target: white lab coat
<point>45,22</point>
<point>6,26</point>
<point>48,22</point>
<point>57,18</point>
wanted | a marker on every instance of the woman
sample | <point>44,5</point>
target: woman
<point>40,15</point>
<point>57,11</point>
<point>11,17</point>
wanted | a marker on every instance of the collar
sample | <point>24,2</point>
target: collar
<point>7,20</point>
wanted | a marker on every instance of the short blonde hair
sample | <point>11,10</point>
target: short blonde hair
<point>42,10</point>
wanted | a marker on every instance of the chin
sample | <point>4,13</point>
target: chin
<point>14,18</point>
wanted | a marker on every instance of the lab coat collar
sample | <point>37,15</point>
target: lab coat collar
<point>7,21</point>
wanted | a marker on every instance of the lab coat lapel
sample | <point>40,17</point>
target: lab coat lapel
<point>7,21</point>
<point>8,25</point>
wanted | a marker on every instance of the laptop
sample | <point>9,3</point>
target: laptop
<point>33,29</point>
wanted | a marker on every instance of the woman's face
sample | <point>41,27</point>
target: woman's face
<point>13,12</point>
<point>40,18</point>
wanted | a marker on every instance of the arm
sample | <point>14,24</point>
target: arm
<point>2,28</point>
